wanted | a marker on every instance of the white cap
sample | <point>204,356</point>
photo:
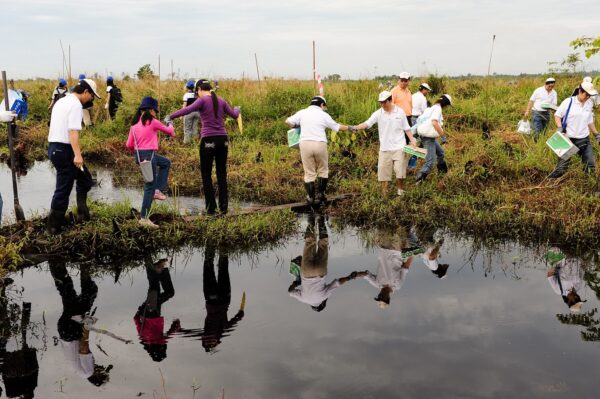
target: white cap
<point>384,95</point>
<point>588,87</point>
<point>425,85</point>
<point>382,305</point>
<point>587,79</point>
<point>448,97</point>
<point>91,84</point>
<point>550,80</point>
<point>404,75</point>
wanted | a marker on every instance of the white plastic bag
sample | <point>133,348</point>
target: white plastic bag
<point>524,127</point>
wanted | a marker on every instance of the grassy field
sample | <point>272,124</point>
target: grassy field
<point>496,187</point>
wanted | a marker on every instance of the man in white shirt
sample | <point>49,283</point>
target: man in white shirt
<point>190,121</point>
<point>566,279</point>
<point>541,116</point>
<point>65,154</point>
<point>419,102</point>
<point>313,146</point>
<point>392,126</point>
<point>575,118</point>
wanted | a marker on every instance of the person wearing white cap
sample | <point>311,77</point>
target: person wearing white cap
<point>65,153</point>
<point>541,116</point>
<point>429,131</point>
<point>565,278</point>
<point>392,126</point>
<point>313,146</point>
<point>575,118</point>
<point>401,96</point>
<point>419,102</point>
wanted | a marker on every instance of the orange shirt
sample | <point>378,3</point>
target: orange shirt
<point>403,99</point>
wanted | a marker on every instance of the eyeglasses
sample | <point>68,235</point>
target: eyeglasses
<point>404,80</point>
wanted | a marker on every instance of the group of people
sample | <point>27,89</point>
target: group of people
<point>401,118</point>
<point>574,118</point>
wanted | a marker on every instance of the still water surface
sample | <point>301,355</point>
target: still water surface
<point>489,329</point>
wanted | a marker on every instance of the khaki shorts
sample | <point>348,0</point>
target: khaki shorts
<point>314,160</point>
<point>391,160</point>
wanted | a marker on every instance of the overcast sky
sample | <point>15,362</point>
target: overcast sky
<point>355,38</point>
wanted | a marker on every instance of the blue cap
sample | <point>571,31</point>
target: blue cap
<point>109,78</point>
<point>190,84</point>
<point>62,82</point>
<point>81,76</point>
<point>149,103</point>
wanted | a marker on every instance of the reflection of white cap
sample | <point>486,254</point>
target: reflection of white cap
<point>404,75</point>
<point>588,87</point>
<point>577,307</point>
<point>382,305</point>
<point>384,95</point>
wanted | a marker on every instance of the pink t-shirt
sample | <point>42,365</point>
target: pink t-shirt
<point>146,135</point>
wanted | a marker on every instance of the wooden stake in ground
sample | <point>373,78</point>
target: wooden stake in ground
<point>314,68</point>
<point>257,72</point>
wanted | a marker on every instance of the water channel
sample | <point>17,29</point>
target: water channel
<point>470,323</point>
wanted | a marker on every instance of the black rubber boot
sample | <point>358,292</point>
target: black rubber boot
<point>322,181</point>
<point>420,177</point>
<point>83,213</point>
<point>310,192</point>
<point>442,167</point>
<point>55,222</point>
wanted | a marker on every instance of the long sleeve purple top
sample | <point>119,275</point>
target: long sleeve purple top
<point>211,125</point>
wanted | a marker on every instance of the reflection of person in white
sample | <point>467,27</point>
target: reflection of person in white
<point>390,276</point>
<point>565,278</point>
<point>311,287</point>
<point>430,258</point>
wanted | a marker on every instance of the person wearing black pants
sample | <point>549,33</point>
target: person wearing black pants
<point>65,154</point>
<point>213,143</point>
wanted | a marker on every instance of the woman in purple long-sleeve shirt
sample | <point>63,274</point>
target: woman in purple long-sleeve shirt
<point>213,141</point>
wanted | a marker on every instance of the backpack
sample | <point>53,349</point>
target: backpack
<point>60,94</point>
<point>116,95</point>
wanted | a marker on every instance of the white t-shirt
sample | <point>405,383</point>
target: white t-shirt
<point>541,95</point>
<point>67,114</point>
<point>189,98</point>
<point>82,365</point>
<point>313,121</point>
<point>390,271</point>
<point>108,89</point>
<point>580,116</point>
<point>434,113</point>
<point>419,103</point>
<point>313,290</point>
<point>571,276</point>
<point>391,127</point>
<point>431,264</point>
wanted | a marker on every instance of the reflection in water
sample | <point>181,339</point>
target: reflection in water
<point>432,254</point>
<point>73,324</point>
<point>148,319</point>
<point>566,279</point>
<point>310,269</point>
<point>19,368</point>
<point>217,294</point>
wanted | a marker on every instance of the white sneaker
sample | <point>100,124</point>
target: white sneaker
<point>147,223</point>
<point>400,192</point>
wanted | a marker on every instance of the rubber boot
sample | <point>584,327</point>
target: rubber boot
<point>322,181</point>
<point>310,192</point>
<point>442,167</point>
<point>83,213</point>
<point>55,221</point>
<point>322,227</point>
<point>420,177</point>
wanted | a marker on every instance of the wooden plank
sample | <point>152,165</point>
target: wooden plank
<point>294,206</point>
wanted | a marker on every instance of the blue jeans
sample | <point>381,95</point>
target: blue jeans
<point>161,176</point>
<point>539,122</point>
<point>435,152</point>
<point>586,152</point>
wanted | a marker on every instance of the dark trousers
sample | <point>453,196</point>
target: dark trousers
<point>586,152</point>
<point>214,148</point>
<point>155,298</point>
<point>217,291</point>
<point>61,155</point>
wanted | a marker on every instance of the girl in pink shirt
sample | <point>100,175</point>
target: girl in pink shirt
<point>143,141</point>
